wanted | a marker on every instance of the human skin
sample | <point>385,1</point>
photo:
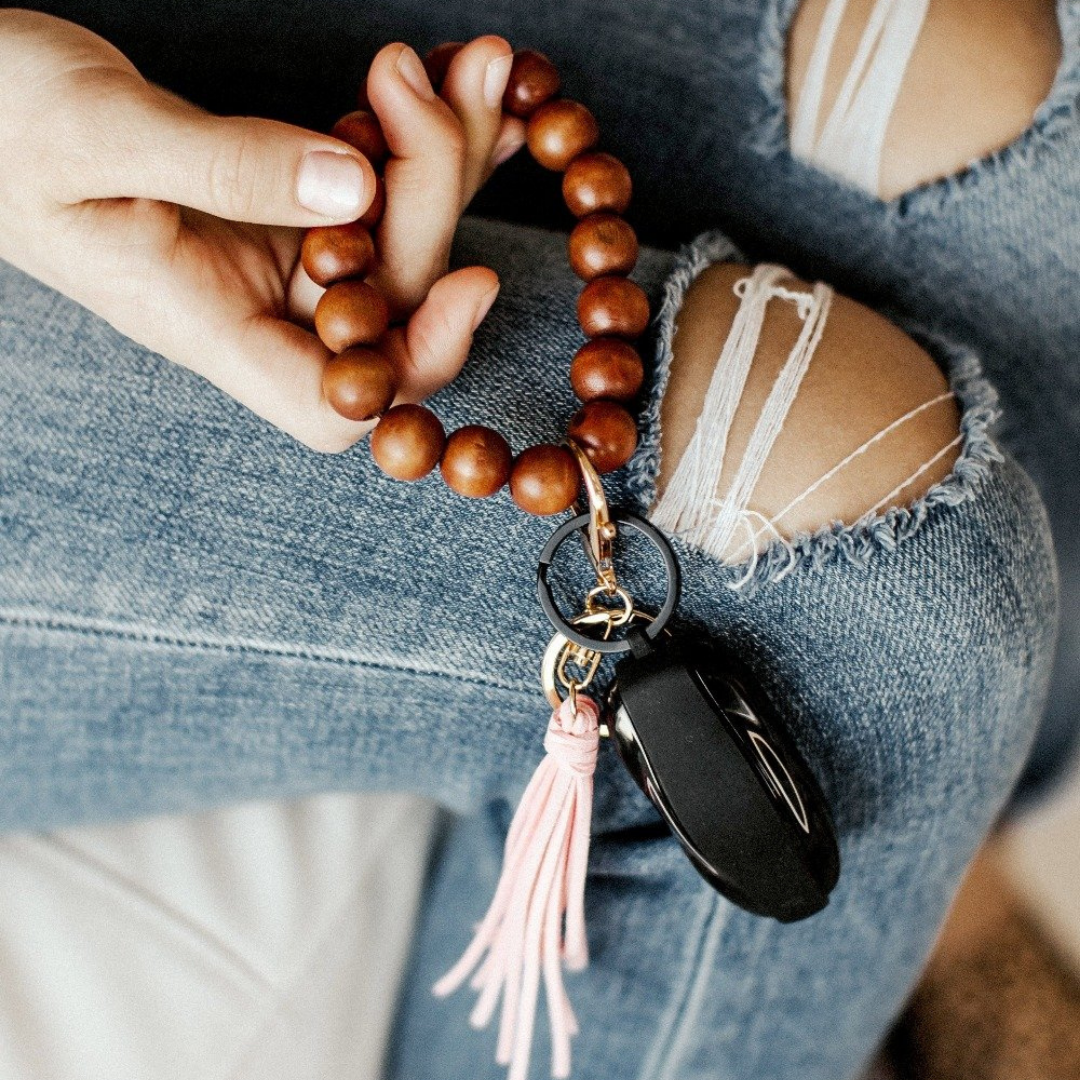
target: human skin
<point>979,71</point>
<point>183,230</point>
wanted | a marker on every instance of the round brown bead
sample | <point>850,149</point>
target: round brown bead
<point>560,130</point>
<point>332,252</point>
<point>533,80</point>
<point>360,384</point>
<point>602,244</point>
<point>606,432</point>
<point>361,131</point>
<point>595,182</point>
<point>606,367</point>
<point>613,306</point>
<point>408,442</point>
<point>351,313</point>
<point>437,62</point>
<point>545,479</point>
<point>476,461</point>
<point>370,217</point>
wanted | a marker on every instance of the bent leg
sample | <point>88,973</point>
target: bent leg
<point>195,609</point>
<point>909,653</point>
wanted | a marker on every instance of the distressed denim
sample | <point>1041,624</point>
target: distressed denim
<point>690,93</point>
<point>194,609</point>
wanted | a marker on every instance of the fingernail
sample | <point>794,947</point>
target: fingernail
<point>484,307</point>
<point>507,147</point>
<point>495,77</point>
<point>412,71</point>
<point>331,184</point>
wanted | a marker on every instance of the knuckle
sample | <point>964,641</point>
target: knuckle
<point>457,145</point>
<point>235,175</point>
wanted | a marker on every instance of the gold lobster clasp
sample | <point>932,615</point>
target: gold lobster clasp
<point>602,530</point>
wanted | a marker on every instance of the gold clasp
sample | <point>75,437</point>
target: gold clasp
<point>602,530</point>
<point>561,651</point>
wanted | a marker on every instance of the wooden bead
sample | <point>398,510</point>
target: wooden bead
<point>370,217</point>
<point>476,461</point>
<point>533,80</point>
<point>613,306</point>
<point>545,479</point>
<point>606,432</point>
<point>602,244</point>
<point>332,252</point>
<point>361,131</point>
<point>351,313</point>
<point>437,62</point>
<point>408,442</point>
<point>360,384</point>
<point>606,367</point>
<point>595,182</point>
<point>560,130</point>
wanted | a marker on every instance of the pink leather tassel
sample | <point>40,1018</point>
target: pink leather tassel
<point>543,879</point>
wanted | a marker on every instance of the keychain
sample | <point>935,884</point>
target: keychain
<point>697,733</point>
<point>703,742</point>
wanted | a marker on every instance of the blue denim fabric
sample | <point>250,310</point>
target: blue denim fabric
<point>193,609</point>
<point>691,95</point>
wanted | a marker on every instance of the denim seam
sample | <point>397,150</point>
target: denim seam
<point>667,1037</point>
<point>691,1013</point>
<point>1059,109</point>
<point>24,622</point>
<point>872,533</point>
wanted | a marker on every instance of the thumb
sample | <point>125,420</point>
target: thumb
<point>432,348</point>
<point>264,172</point>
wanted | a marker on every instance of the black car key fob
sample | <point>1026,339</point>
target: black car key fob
<point>705,745</point>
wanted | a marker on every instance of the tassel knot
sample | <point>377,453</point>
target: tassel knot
<point>542,883</point>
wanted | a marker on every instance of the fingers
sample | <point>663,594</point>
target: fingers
<point>151,144</point>
<point>474,87</point>
<point>433,347</point>
<point>423,177</point>
<point>511,140</point>
<point>275,368</point>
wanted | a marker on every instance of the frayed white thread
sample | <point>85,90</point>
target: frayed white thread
<point>886,499</point>
<point>852,139</point>
<point>771,523</point>
<point>690,506</point>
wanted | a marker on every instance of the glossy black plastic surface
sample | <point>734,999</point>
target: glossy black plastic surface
<point>706,745</point>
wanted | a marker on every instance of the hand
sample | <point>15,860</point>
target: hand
<point>443,150</point>
<point>183,229</point>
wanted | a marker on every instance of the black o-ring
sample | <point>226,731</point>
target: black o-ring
<point>555,616</point>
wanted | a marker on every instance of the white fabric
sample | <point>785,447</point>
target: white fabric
<point>850,141</point>
<point>260,942</point>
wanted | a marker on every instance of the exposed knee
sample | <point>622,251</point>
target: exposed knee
<point>864,376</point>
<point>978,72</point>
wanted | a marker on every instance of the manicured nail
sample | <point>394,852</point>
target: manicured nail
<point>484,307</point>
<point>495,77</point>
<point>334,185</point>
<point>507,147</point>
<point>412,71</point>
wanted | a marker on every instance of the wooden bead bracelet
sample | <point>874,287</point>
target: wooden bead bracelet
<point>360,381</point>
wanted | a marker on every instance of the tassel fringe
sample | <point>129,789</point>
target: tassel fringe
<point>542,880</point>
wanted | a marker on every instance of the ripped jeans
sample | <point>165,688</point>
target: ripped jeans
<point>195,609</point>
